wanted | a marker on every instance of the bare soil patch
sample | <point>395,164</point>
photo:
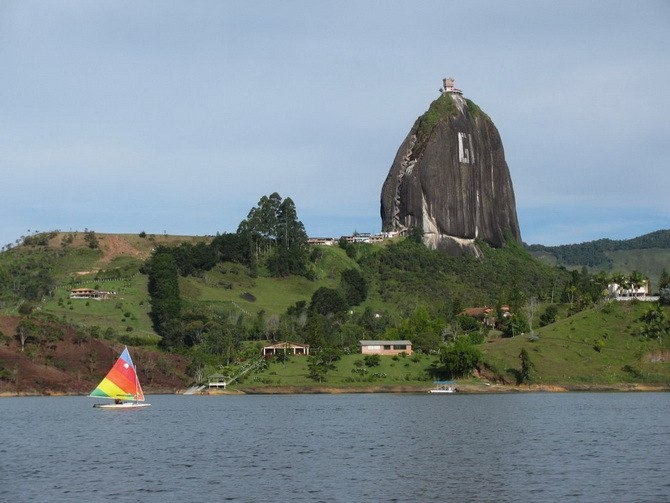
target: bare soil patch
<point>75,365</point>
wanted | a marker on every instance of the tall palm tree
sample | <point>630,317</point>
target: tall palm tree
<point>636,281</point>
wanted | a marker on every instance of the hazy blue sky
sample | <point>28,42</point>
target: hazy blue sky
<point>165,116</point>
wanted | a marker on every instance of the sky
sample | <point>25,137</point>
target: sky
<point>177,117</point>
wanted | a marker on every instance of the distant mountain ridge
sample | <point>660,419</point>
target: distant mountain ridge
<point>592,253</point>
<point>649,254</point>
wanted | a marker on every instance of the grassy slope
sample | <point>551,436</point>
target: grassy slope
<point>565,350</point>
<point>78,265</point>
<point>222,288</point>
<point>563,354</point>
<point>228,285</point>
<point>410,371</point>
<point>132,298</point>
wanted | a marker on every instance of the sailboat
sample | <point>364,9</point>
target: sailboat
<point>121,385</point>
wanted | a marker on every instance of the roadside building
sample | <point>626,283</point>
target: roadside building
<point>385,347</point>
<point>89,293</point>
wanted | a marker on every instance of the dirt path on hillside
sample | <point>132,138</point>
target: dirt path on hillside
<point>113,246</point>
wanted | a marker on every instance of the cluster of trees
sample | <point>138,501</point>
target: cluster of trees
<point>271,237</point>
<point>277,235</point>
<point>31,331</point>
<point>27,274</point>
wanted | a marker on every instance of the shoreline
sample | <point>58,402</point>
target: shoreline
<point>465,389</point>
<point>460,389</point>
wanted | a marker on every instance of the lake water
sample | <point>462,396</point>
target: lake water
<point>594,447</point>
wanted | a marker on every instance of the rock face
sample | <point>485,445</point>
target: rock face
<point>450,179</point>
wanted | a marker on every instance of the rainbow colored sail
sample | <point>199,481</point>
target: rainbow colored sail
<point>121,381</point>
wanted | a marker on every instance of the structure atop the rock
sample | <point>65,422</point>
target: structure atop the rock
<point>450,179</point>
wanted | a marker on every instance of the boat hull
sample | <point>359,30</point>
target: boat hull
<point>121,406</point>
<point>442,391</point>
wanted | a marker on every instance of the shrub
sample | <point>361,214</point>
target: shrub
<point>26,308</point>
<point>460,357</point>
<point>372,360</point>
<point>549,315</point>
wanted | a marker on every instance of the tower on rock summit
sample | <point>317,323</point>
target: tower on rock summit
<point>450,179</point>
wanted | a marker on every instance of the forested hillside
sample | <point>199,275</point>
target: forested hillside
<point>648,254</point>
<point>215,300</point>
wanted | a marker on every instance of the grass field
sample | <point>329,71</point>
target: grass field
<point>593,347</point>
<point>229,286</point>
<point>599,345</point>
<point>409,370</point>
<point>128,308</point>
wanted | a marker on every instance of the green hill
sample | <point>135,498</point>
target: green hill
<point>601,345</point>
<point>410,291</point>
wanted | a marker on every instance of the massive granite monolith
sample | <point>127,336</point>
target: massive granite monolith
<point>450,179</point>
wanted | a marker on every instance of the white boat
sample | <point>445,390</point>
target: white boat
<point>121,405</point>
<point>121,385</point>
<point>443,387</point>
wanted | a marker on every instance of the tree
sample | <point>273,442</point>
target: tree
<point>321,363</point>
<point>220,340</point>
<point>328,301</point>
<point>315,329</point>
<point>549,315</point>
<point>526,367</point>
<point>468,323</point>
<point>315,370</point>
<point>26,331</point>
<point>415,234</point>
<point>637,279</point>
<point>230,247</point>
<point>91,239</point>
<point>290,230</point>
<point>261,223</point>
<point>531,308</point>
<point>349,248</point>
<point>516,298</point>
<point>163,286</point>
<point>515,325</point>
<point>354,286</point>
<point>424,331</point>
<point>460,357</point>
<point>286,260</point>
<point>273,228</point>
<point>372,360</point>
<point>655,323</point>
